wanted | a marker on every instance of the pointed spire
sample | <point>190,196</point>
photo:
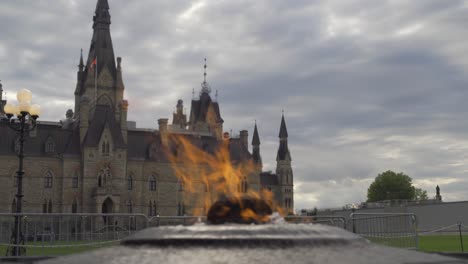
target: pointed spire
<point>81,65</point>
<point>205,86</point>
<point>255,138</point>
<point>283,131</point>
<point>204,74</point>
<point>102,13</point>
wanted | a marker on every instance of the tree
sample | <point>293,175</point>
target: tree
<point>420,194</point>
<point>391,186</point>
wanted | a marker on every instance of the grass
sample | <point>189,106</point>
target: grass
<point>56,250</point>
<point>442,243</point>
<point>434,243</point>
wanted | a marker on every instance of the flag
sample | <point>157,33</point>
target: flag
<point>93,64</point>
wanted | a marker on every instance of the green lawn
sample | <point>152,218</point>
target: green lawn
<point>56,249</point>
<point>442,243</point>
<point>434,243</point>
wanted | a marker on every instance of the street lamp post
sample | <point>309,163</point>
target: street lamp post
<point>25,121</point>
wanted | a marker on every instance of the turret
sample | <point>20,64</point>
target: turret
<point>79,84</point>
<point>256,147</point>
<point>284,169</point>
<point>179,119</point>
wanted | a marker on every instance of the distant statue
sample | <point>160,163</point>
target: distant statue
<point>438,196</point>
<point>68,122</point>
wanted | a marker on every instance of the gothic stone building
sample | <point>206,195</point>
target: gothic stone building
<point>95,161</point>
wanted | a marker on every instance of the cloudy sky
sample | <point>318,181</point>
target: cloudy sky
<point>366,86</point>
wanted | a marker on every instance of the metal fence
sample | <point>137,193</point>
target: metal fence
<point>58,234</point>
<point>325,220</point>
<point>396,230</point>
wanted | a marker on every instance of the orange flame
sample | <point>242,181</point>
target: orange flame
<point>209,174</point>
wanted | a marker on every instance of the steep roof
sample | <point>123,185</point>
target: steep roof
<point>283,131</point>
<point>255,138</point>
<point>199,109</point>
<point>103,115</point>
<point>268,179</point>
<point>147,145</point>
<point>101,47</point>
<point>66,141</point>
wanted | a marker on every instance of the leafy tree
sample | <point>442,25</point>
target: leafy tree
<point>391,186</point>
<point>420,194</point>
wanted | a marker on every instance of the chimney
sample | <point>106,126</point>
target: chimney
<point>163,130</point>
<point>244,138</point>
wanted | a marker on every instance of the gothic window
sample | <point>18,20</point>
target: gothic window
<point>104,175</point>
<point>44,207</point>
<point>243,185</point>
<point>13,206</point>
<point>130,182</point>
<point>152,183</point>
<point>74,207</point>
<point>129,206</point>
<point>49,208</point>
<point>49,145</point>
<point>48,180</point>
<point>75,180</point>
<point>105,149</point>
<point>155,208</point>
<point>150,209</point>
<point>180,209</point>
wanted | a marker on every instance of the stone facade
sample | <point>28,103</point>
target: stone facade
<point>94,162</point>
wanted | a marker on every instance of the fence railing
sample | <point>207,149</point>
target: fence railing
<point>59,234</point>
<point>337,221</point>
<point>397,230</point>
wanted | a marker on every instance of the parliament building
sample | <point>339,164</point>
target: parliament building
<point>96,161</point>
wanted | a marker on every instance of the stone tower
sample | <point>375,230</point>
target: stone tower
<point>102,114</point>
<point>205,116</point>
<point>284,170</point>
<point>179,119</point>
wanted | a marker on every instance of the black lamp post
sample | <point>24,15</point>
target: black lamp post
<point>25,121</point>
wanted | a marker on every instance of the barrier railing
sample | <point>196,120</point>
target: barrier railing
<point>326,220</point>
<point>397,230</point>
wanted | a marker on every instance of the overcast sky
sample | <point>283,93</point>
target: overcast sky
<point>366,86</point>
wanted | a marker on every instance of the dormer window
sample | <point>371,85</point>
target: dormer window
<point>105,149</point>
<point>49,145</point>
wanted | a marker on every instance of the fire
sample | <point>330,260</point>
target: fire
<point>208,174</point>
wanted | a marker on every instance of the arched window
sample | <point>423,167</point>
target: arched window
<point>129,206</point>
<point>13,206</point>
<point>49,208</point>
<point>48,180</point>
<point>130,182</point>
<point>100,180</point>
<point>152,183</point>
<point>49,145</point>
<point>44,207</point>
<point>243,185</point>
<point>105,149</point>
<point>150,209</point>
<point>75,180</point>
<point>180,209</point>
<point>74,207</point>
<point>155,208</point>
